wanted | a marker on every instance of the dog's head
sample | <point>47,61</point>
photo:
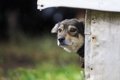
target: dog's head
<point>70,34</point>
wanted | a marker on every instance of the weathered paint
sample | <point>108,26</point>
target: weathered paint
<point>103,5</point>
<point>102,46</point>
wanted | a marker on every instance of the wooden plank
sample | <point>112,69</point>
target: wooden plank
<point>103,5</point>
<point>103,46</point>
<point>87,44</point>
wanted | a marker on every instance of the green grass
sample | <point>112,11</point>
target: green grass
<point>47,72</point>
<point>47,61</point>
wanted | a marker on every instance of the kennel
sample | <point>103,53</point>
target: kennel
<point>102,35</point>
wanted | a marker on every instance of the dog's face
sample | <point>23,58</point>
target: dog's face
<point>70,34</point>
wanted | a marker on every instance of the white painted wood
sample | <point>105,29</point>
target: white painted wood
<point>104,5</point>
<point>87,45</point>
<point>102,46</point>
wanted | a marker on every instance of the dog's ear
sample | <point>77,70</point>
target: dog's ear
<point>80,26</point>
<point>55,28</point>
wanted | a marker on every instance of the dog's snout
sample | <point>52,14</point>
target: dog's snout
<point>61,39</point>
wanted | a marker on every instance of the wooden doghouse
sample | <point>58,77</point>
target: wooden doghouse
<point>102,36</point>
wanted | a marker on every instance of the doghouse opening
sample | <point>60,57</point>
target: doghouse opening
<point>78,14</point>
<point>63,16</point>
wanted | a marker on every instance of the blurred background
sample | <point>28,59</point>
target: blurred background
<point>28,51</point>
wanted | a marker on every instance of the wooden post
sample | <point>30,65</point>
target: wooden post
<point>102,45</point>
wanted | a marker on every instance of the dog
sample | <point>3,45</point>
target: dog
<point>70,35</point>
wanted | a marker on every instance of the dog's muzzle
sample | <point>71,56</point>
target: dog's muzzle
<point>61,41</point>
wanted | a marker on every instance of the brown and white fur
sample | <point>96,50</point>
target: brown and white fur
<point>70,35</point>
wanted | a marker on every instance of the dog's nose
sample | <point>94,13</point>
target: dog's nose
<point>61,40</point>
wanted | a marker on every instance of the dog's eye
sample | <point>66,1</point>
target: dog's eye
<point>59,30</point>
<point>73,30</point>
